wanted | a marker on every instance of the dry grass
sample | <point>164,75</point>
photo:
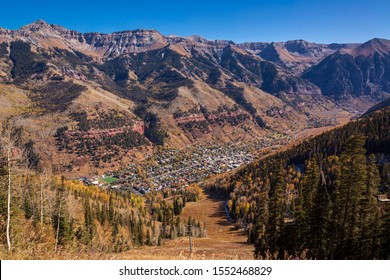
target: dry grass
<point>13,101</point>
<point>223,241</point>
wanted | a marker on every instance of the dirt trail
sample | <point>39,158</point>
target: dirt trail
<point>223,241</point>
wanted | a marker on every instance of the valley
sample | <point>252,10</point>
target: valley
<point>123,145</point>
<point>176,168</point>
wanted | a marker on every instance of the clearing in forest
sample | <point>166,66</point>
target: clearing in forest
<point>223,240</point>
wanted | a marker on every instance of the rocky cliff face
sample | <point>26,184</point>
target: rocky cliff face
<point>114,44</point>
<point>106,45</point>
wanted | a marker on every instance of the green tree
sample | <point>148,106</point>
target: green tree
<point>277,210</point>
<point>349,196</point>
<point>61,219</point>
<point>318,220</point>
<point>258,233</point>
<point>369,214</point>
<point>89,227</point>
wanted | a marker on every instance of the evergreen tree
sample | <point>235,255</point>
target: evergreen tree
<point>349,195</point>
<point>369,214</point>
<point>258,234</point>
<point>308,192</point>
<point>277,211</point>
<point>89,227</point>
<point>61,219</point>
<point>318,219</point>
<point>309,185</point>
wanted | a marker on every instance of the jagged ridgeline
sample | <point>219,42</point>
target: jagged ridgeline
<point>285,87</point>
<point>326,198</point>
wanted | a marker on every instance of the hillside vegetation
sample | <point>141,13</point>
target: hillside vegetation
<point>326,198</point>
<point>47,217</point>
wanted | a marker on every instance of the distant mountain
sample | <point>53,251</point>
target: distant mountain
<point>295,55</point>
<point>361,71</point>
<point>180,90</point>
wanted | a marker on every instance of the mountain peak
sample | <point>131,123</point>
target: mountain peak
<point>196,38</point>
<point>36,26</point>
<point>378,41</point>
<point>277,52</point>
<point>376,45</point>
<point>41,22</point>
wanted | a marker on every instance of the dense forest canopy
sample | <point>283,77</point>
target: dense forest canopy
<point>326,198</point>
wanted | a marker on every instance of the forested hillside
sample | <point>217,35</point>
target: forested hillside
<point>327,198</point>
<point>48,217</point>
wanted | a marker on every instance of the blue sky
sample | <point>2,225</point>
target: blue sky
<point>241,21</point>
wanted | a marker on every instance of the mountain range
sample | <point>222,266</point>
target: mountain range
<point>178,91</point>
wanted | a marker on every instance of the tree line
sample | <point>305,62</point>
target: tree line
<point>322,199</point>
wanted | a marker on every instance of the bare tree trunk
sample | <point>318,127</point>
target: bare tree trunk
<point>41,201</point>
<point>9,197</point>
<point>58,227</point>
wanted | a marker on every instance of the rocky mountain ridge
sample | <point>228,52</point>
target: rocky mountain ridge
<point>252,88</point>
<point>360,71</point>
<point>141,40</point>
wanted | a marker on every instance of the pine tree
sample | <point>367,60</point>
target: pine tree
<point>306,215</point>
<point>309,185</point>
<point>318,221</point>
<point>61,220</point>
<point>277,210</point>
<point>258,234</point>
<point>89,228</point>
<point>334,228</point>
<point>349,196</point>
<point>369,214</point>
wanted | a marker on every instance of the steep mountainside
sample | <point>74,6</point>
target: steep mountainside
<point>363,71</point>
<point>159,89</point>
